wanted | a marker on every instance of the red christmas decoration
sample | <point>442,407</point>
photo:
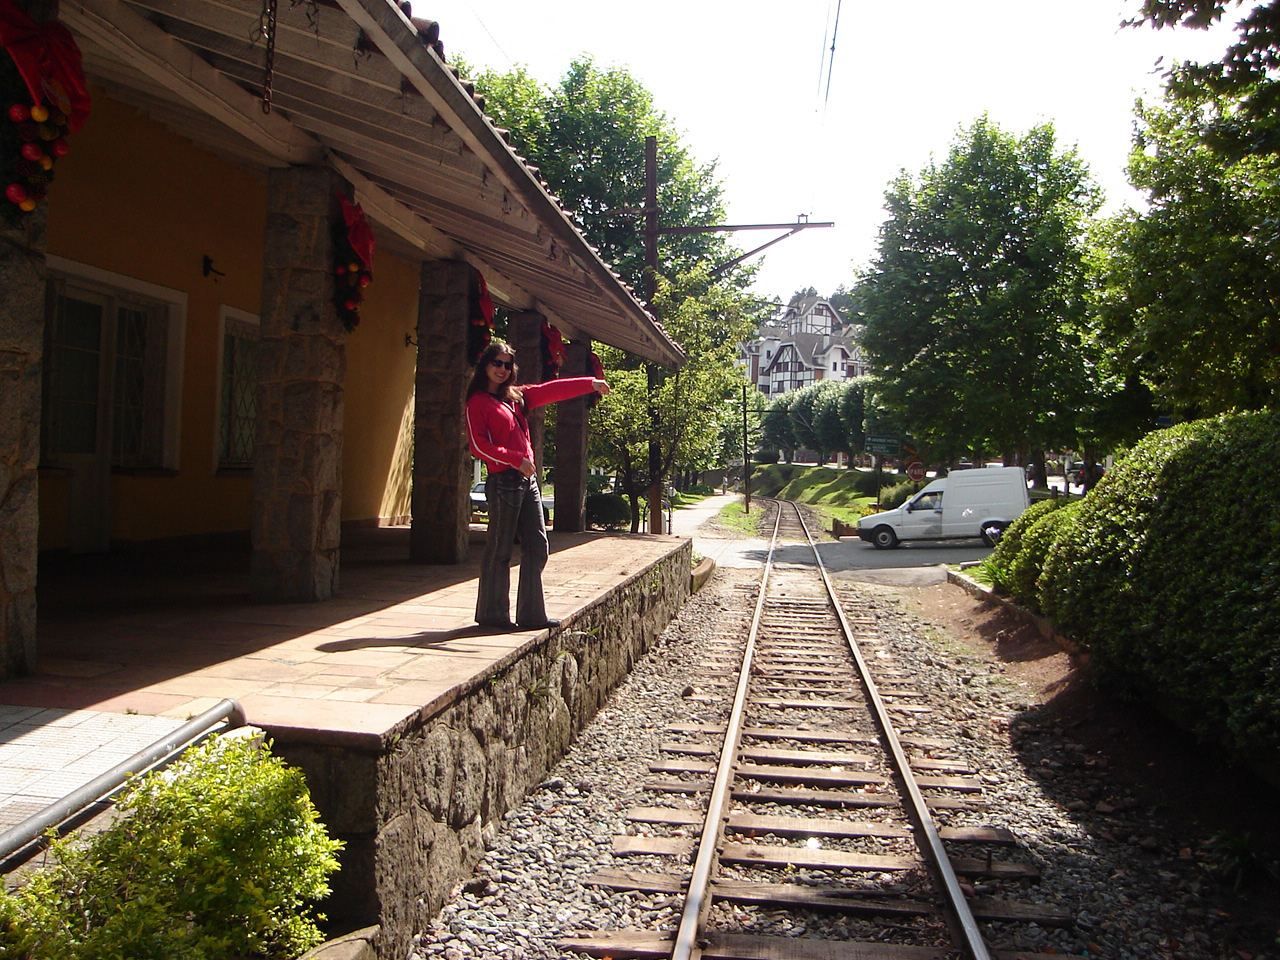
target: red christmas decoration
<point>353,251</point>
<point>480,332</point>
<point>553,352</point>
<point>47,61</point>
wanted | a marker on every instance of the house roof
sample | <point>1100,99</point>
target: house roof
<point>809,346</point>
<point>356,85</point>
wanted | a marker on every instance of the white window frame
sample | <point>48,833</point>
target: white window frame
<point>175,303</point>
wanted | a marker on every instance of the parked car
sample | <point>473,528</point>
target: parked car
<point>1076,473</point>
<point>968,503</point>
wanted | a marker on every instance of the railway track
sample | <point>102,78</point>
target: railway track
<point>794,812</point>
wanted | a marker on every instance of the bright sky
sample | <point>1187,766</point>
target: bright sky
<point>746,83</point>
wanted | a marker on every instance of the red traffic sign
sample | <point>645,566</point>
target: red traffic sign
<point>915,470</point>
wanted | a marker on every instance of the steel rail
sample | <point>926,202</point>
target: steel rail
<point>697,897</point>
<point>957,907</point>
<point>17,838</point>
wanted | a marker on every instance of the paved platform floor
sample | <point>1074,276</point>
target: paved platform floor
<point>133,646</point>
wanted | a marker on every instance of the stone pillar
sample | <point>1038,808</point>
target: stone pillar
<point>571,446</point>
<point>22,286</point>
<point>526,340</point>
<point>441,454</point>
<point>297,478</point>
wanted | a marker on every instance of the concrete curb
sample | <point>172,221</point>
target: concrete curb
<point>1047,630</point>
<point>701,574</point>
<point>357,945</point>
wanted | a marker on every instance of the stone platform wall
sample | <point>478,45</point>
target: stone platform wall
<point>413,814</point>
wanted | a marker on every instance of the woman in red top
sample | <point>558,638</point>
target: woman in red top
<point>498,429</point>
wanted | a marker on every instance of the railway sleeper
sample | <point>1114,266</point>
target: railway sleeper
<point>818,897</point>
<point>633,945</point>
<point>817,826</point>
<point>816,798</point>
<point>802,858</point>
<point>777,774</point>
<point>810,735</point>
<point>828,757</point>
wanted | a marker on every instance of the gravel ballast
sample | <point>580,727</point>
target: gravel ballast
<point>1136,891</point>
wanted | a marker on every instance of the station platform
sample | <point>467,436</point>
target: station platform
<point>371,693</point>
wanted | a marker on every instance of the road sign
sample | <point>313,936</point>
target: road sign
<point>915,470</point>
<point>882,446</point>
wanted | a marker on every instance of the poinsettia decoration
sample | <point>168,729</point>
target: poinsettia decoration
<point>353,261</point>
<point>597,371</point>
<point>480,331</point>
<point>43,80</point>
<point>553,352</point>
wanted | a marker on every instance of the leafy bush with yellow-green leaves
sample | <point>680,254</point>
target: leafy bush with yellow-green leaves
<point>219,856</point>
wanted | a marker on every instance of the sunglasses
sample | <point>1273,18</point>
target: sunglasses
<point>508,364</point>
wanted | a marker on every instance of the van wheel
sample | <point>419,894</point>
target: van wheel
<point>884,538</point>
<point>991,533</point>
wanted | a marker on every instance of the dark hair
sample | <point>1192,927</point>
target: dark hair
<point>480,379</point>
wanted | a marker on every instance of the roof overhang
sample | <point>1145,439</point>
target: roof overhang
<point>354,85</point>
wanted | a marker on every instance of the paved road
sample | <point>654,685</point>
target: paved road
<point>910,564</point>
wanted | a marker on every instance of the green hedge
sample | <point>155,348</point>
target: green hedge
<point>608,510</point>
<point>1026,568</point>
<point>218,857</point>
<point>1170,575</point>
<point>1013,566</point>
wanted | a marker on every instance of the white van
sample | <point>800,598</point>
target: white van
<point>968,503</point>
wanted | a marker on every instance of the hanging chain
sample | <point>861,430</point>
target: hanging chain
<point>267,27</point>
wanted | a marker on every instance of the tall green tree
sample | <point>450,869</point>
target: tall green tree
<point>586,135</point>
<point>685,411</point>
<point>1247,73</point>
<point>976,300</point>
<point>1193,292</point>
<point>775,425</point>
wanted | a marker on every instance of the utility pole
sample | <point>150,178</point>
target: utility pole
<point>651,291</point>
<point>651,233</point>
<point>746,463</point>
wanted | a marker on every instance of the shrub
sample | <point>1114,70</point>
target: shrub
<point>608,510</point>
<point>767,480</point>
<point>218,856</point>
<point>865,482</point>
<point>766,456</point>
<point>896,495</point>
<point>1010,545</point>
<point>1024,570</point>
<point>1171,574</point>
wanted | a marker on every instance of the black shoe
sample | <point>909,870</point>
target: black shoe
<point>547,624</point>
<point>504,626</point>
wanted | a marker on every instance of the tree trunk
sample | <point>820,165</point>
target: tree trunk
<point>1039,474</point>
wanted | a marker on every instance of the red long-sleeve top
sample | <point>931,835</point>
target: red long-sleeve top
<point>499,431</point>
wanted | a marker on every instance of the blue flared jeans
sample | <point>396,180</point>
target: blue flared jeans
<point>515,507</point>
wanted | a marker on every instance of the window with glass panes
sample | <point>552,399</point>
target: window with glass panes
<point>239,405</point>
<point>105,363</point>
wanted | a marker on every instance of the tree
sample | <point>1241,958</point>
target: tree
<point>775,425</point>
<point>829,425</point>
<point>1193,281</point>
<point>684,411</point>
<point>976,300</point>
<point>1246,73</point>
<point>587,137</point>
